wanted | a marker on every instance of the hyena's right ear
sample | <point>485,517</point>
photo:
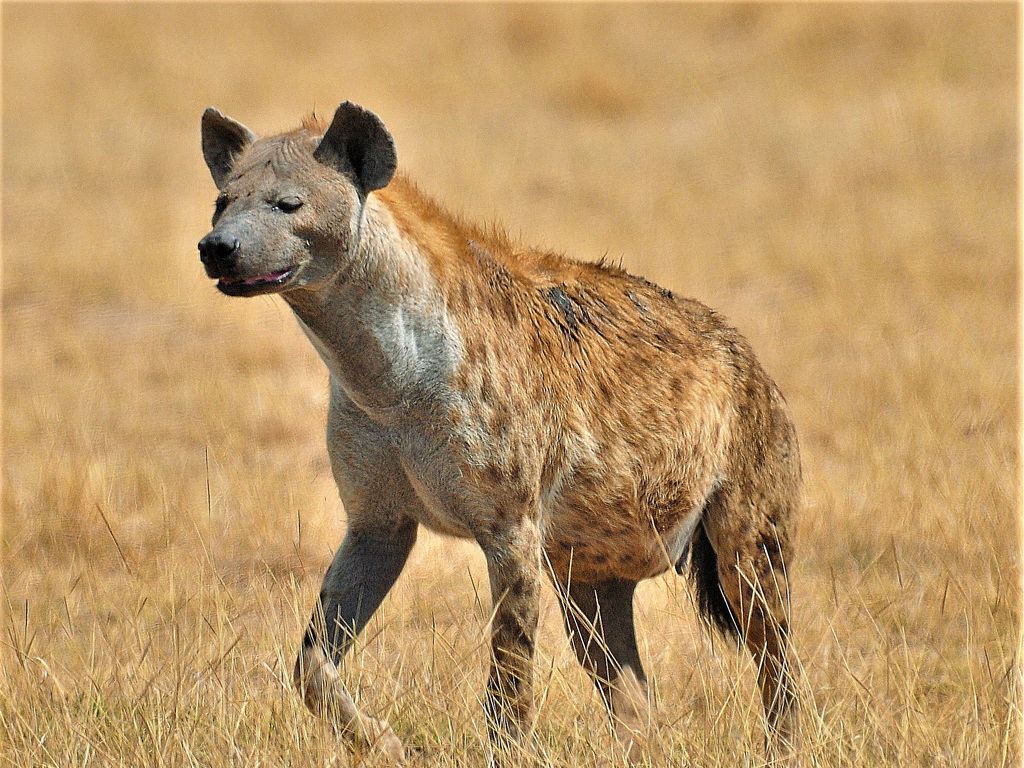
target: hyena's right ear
<point>223,138</point>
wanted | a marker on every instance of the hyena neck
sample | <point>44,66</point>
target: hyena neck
<point>381,326</point>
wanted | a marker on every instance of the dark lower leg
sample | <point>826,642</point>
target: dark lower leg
<point>599,621</point>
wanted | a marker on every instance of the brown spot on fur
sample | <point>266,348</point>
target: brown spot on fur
<point>494,473</point>
<point>464,296</point>
<point>486,390</point>
<point>524,497</point>
<point>501,422</point>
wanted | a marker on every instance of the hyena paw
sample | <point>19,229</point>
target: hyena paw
<point>378,736</point>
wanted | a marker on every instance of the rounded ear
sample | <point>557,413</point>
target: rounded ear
<point>223,139</point>
<point>358,145</point>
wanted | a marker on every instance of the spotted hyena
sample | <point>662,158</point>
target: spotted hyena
<point>576,421</point>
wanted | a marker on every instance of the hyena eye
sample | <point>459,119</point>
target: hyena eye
<point>219,206</point>
<point>288,204</point>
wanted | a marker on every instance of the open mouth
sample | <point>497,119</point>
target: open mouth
<point>250,286</point>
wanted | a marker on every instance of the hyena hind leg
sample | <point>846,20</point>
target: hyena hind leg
<point>599,622</point>
<point>739,570</point>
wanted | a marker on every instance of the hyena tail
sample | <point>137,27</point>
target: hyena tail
<point>711,601</point>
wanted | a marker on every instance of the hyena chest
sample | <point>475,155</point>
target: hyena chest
<point>398,453</point>
<point>433,475</point>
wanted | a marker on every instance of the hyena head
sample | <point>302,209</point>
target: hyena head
<point>289,208</point>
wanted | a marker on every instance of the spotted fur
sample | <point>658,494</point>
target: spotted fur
<point>580,423</point>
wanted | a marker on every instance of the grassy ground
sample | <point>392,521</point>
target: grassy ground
<point>839,181</point>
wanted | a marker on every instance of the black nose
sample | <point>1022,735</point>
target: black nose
<point>216,249</point>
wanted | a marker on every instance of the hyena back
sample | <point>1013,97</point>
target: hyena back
<point>576,421</point>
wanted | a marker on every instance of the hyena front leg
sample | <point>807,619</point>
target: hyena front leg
<point>513,566</point>
<point>363,571</point>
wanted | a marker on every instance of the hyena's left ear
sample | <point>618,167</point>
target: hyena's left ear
<point>358,145</point>
<point>223,138</point>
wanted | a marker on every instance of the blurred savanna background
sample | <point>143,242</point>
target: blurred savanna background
<point>840,181</point>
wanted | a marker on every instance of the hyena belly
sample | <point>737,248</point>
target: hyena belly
<point>618,537</point>
<point>620,548</point>
<point>629,511</point>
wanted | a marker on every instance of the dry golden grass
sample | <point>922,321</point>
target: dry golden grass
<point>839,181</point>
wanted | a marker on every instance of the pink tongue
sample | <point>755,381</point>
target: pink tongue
<point>265,278</point>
